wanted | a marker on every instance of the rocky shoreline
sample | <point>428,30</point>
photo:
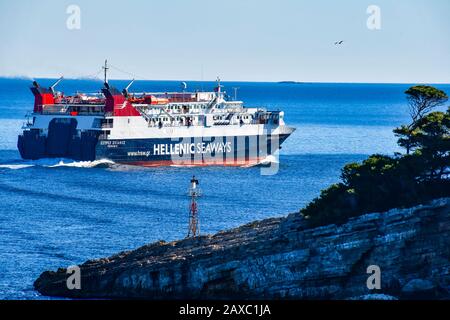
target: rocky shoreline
<point>281,258</point>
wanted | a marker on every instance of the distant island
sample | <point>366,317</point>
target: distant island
<point>290,82</point>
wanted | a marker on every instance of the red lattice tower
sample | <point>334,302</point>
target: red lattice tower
<point>194,193</point>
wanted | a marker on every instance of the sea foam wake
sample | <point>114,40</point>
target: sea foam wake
<point>57,163</point>
<point>84,164</point>
<point>15,166</point>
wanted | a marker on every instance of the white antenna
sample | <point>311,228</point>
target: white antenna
<point>125,91</point>
<point>201,76</point>
<point>52,88</point>
<point>235,92</point>
<point>129,85</point>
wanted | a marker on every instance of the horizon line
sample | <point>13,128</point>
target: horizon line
<point>224,81</point>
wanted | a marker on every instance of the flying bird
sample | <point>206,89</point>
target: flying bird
<point>339,42</point>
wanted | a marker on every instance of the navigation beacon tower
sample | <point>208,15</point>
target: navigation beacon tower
<point>194,192</point>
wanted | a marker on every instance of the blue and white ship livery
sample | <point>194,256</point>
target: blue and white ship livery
<point>150,129</point>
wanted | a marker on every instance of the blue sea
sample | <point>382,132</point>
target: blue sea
<point>57,212</point>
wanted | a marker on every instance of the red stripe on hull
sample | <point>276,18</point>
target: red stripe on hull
<point>198,163</point>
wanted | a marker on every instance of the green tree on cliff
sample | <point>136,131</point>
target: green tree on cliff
<point>383,182</point>
<point>421,100</point>
<point>433,138</point>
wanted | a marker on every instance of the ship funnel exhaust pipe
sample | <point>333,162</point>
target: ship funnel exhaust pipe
<point>42,96</point>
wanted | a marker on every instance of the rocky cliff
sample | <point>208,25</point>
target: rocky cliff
<point>282,258</point>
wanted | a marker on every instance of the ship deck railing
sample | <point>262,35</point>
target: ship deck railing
<point>216,123</point>
<point>194,112</point>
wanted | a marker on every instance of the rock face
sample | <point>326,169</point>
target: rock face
<point>282,258</point>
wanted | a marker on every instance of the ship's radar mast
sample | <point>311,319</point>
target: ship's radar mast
<point>105,69</point>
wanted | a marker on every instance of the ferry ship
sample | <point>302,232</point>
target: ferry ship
<point>150,128</point>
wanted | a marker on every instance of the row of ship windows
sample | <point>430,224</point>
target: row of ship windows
<point>183,107</point>
<point>191,107</point>
<point>214,118</point>
<point>186,107</point>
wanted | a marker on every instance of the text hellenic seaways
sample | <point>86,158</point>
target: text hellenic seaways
<point>186,148</point>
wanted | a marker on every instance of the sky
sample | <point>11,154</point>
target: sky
<point>238,40</point>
